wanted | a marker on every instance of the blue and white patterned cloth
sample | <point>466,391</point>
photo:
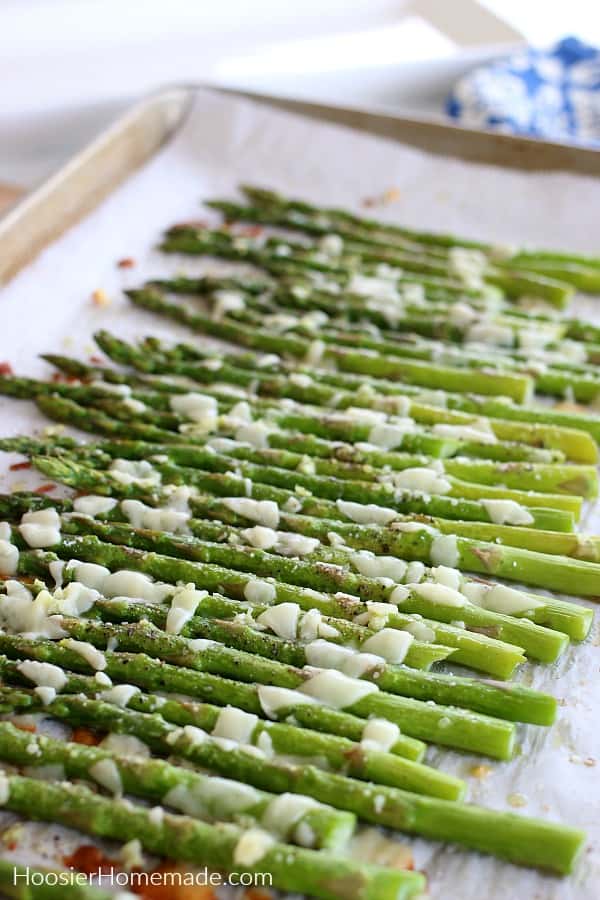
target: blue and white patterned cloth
<point>552,94</point>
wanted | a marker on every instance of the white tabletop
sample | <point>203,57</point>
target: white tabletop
<point>67,67</point>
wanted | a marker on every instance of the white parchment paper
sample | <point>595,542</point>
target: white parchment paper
<point>225,141</point>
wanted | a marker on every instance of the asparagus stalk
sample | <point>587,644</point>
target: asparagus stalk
<point>521,840</point>
<point>536,640</point>
<point>308,418</point>
<point>512,702</point>
<point>224,620</point>
<point>405,501</point>
<point>470,648</point>
<point>572,270</point>
<point>556,573</point>
<point>108,415</point>
<point>331,217</point>
<point>531,480</point>
<point>461,729</point>
<point>305,418</point>
<point>159,358</point>
<point>356,759</point>
<point>154,779</point>
<point>583,547</point>
<point>539,642</point>
<point>573,619</point>
<point>566,439</point>
<point>181,837</point>
<point>274,257</point>
<point>519,387</point>
<point>431,272</point>
<point>320,731</point>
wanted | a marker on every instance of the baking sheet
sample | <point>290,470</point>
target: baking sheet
<point>226,140</point>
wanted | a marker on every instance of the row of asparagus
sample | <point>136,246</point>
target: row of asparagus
<point>267,552</point>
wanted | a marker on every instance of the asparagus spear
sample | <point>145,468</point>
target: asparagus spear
<point>340,464</point>
<point>406,501</point>
<point>518,387</point>
<point>282,741</point>
<point>388,398</point>
<point>340,469</point>
<point>521,840</point>
<point>459,728</point>
<point>537,641</point>
<point>574,619</point>
<point>320,731</point>
<point>269,199</point>
<point>202,569</point>
<point>275,259</point>
<point>108,415</point>
<point>542,570</point>
<point>513,702</point>
<point>154,780</point>
<point>583,547</point>
<point>307,418</point>
<point>159,358</point>
<point>573,270</point>
<point>432,273</point>
<point>184,838</point>
<point>571,618</point>
<point>227,622</point>
<point>471,648</point>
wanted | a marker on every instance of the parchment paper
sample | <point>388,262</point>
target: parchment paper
<point>225,141</point>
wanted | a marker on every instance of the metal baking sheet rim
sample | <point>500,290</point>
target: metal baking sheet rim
<point>77,188</point>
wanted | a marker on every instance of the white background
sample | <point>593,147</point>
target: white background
<point>67,67</point>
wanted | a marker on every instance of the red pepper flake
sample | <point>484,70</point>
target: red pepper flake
<point>16,467</point>
<point>128,262</point>
<point>12,845</point>
<point>250,230</point>
<point>23,726</point>
<point>6,368</point>
<point>63,378</point>
<point>82,735</point>
<point>89,859</point>
<point>169,888</point>
<point>44,488</point>
<point>97,360</point>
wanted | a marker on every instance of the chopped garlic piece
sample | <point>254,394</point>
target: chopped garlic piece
<point>507,512</point>
<point>281,619</point>
<point>93,505</point>
<point>41,528</point>
<point>265,512</point>
<point>379,734</point>
<point>94,657</point>
<point>366,514</point>
<point>444,551</point>
<point>273,699</point>
<point>390,643</point>
<point>107,775</point>
<point>439,593</point>
<point>253,845</point>
<point>335,689</point>
<point>257,591</point>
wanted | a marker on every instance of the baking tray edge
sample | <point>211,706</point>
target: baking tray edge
<point>77,188</point>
